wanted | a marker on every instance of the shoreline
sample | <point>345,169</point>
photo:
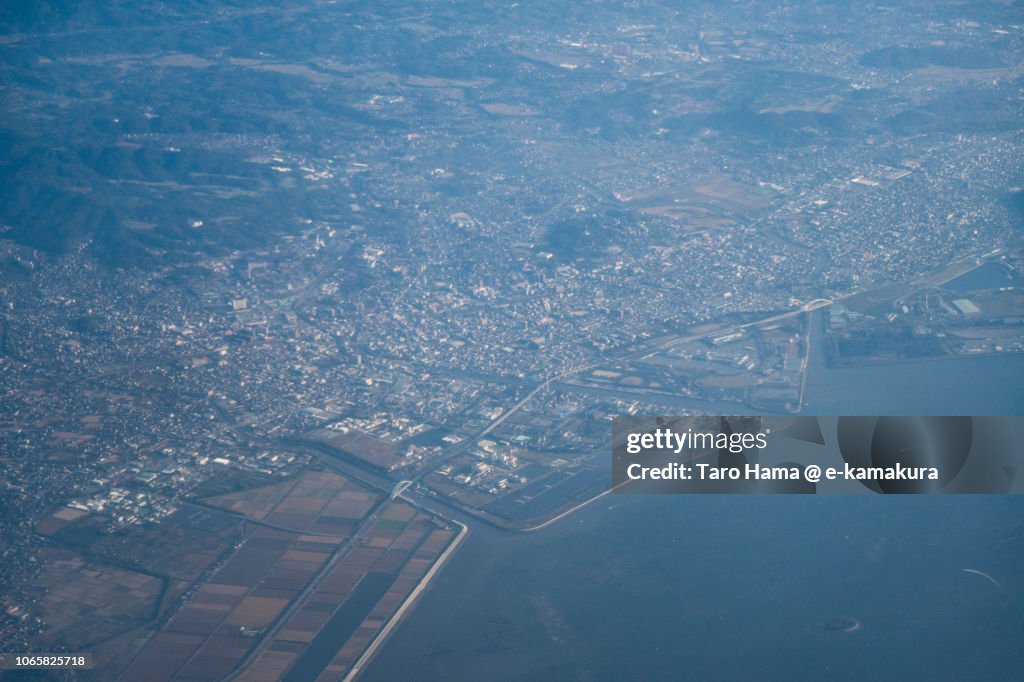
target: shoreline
<point>567,512</point>
<point>407,605</point>
<point>367,656</point>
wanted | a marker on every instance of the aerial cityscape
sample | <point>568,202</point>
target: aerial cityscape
<point>305,305</point>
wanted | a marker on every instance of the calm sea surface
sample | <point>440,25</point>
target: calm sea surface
<point>716,588</point>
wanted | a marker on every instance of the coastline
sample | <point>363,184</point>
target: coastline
<point>367,656</point>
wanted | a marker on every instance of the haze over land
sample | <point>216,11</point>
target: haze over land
<point>260,263</point>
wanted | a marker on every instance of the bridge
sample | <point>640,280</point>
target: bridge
<point>816,303</point>
<point>400,488</point>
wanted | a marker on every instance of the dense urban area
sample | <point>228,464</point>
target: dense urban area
<point>334,249</point>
